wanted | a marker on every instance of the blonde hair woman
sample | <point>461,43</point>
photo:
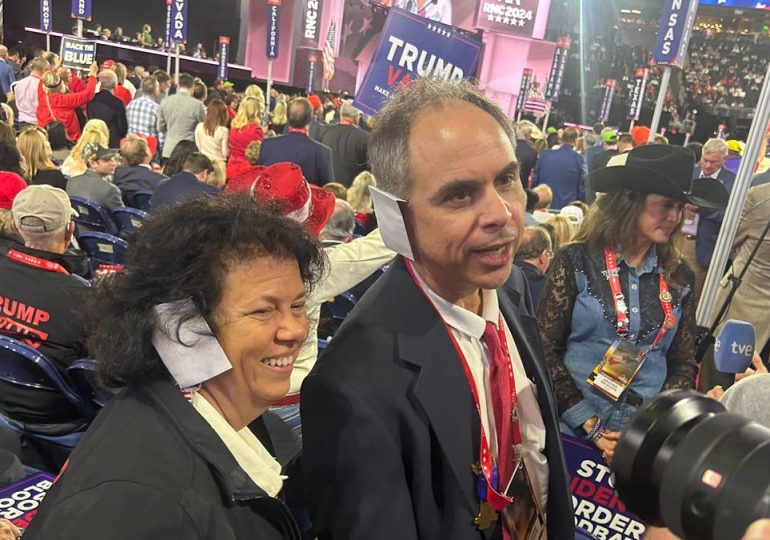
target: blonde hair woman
<point>95,131</point>
<point>255,91</point>
<point>279,116</point>
<point>34,148</point>
<point>56,104</point>
<point>244,129</point>
<point>562,228</point>
<point>358,193</point>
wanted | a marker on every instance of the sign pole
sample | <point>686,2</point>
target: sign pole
<point>269,84</point>
<point>47,41</point>
<point>662,91</point>
<point>80,28</point>
<point>176,69</point>
<point>168,59</point>
<point>547,114</point>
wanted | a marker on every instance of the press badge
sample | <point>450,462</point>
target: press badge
<point>523,517</point>
<point>617,369</point>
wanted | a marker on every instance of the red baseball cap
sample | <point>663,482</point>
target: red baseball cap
<point>284,185</point>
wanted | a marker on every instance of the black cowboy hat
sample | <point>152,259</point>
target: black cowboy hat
<point>661,169</point>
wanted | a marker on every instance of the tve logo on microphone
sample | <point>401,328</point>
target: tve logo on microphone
<point>734,347</point>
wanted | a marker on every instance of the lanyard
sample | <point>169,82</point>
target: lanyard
<point>29,260</point>
<point>497,499</point>
<point>669,320</point>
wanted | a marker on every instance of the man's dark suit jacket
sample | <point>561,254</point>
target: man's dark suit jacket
<point>710,221</point>
<point>314,158</point>
<point>107,107</point>
<point>349,145</point>
<point>390,429</point>
<point>133,178</point>
<point>527,156</point>
<point>178,188</point>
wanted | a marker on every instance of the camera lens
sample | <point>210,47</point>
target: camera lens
<point>685,464</point>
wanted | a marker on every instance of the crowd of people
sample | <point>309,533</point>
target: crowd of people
<point>723,73</point>
<point>323,320</point>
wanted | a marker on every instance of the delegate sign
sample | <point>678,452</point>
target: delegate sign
<point>413,47</point>
<point>597,507</point>
<point>19,501</point>
<point>77,53</point>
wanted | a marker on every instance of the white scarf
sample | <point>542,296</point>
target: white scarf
<point>254,459</point>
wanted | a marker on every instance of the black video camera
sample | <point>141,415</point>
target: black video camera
<point>686,464</point>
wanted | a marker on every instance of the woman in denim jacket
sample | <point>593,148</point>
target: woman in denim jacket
<point>623,280</point>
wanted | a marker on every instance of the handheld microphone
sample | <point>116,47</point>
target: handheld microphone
<point>734,347</point>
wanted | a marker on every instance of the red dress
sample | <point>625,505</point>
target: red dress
<point>240,139</point>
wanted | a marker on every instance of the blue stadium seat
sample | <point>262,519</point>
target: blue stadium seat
<point>92,216</point>
<point>128,219</point>
<point>23,366</point>
<point>82,374</point>
<point>103,249</point>
<point>142,199</point>
<point>341,305</point>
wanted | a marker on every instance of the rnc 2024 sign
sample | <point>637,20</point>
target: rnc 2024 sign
<point>413,47</point>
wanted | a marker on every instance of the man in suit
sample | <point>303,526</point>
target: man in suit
<point>191,182</point>
<point>314,158</point>
<point>178,115</point>
<point>105,106</point>
<point>701,226</point>
<point>94,184</point>
<point>404,405</point>
<point>348,144</point>
<point>564,170</point>
<point>533,257</point>
<point>137,174</point>
<point>525,150</point>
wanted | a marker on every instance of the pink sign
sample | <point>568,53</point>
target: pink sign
<point>515,17</point>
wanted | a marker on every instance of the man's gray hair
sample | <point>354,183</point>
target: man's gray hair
<point>342,223</point>
<point>715,146</point>
<point>347,110</point>
<point>3,52</point>
<point>108,79</point>
<point>149,85</point>
<point>389,156</point>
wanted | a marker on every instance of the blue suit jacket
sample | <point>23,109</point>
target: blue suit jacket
<point>564,170</point>
<point>710,221</point>
<point>390,429</point>
<point>314,158</point>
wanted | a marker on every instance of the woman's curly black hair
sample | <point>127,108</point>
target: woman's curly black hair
<point>185,251</point>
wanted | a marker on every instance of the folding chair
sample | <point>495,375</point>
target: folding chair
<point>142,199</point>
<point>103,249</point>
<point>82,375</point>
<point>128,219</point>
<point>25,367</point>
<point>92,216</point>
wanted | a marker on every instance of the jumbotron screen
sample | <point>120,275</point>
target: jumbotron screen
<point>746,4</point>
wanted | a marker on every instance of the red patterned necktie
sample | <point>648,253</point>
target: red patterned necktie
<point>500,384</point>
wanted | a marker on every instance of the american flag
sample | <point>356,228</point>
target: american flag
<point>328,53</point>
